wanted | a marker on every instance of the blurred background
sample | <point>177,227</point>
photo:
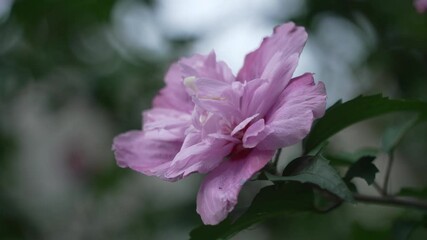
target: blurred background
<point>73,74</point>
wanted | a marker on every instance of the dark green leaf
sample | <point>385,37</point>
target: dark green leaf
<point>393,135</point>
<point>342,115</point>
<point>320,173</point>
<point>363,168</point>
<point>325,201</point>
<point>298,165</point>
<point>270,202</point>
<point>413,192</point>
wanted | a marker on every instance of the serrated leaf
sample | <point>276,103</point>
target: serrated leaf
<point>394,134</point>
<point>413,192</point>
<point>342,115</point>
<point>270,202</point>
<point>363,168</point>
<point>320,173</point>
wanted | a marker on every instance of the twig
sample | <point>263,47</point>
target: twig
<point>388,171</point>
<point>277,156</point>
<point>379,189</point>
<point>392,201</point>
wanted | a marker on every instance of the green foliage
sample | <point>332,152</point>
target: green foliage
<point>319,173</point>
<point>363,168</point>
<point>413,192</point>
<point>342,115</point>
<point>271,201</point>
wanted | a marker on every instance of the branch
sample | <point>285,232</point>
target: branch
<point>388,171</point>
<point>277,157</point>
<point>392,201</point>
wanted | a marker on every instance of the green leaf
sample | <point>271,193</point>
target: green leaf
<point>270,202</point>
<point>413,192</point>
<point>342,115</point>
<point>320,173</point>
<point>363,168</point>
<point>394,134</point>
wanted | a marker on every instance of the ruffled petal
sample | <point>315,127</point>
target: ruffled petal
<point>149,156</point>
<point>286,41</point>
<point>260,95</point>
<point>242,125</point>
<point>219,191</point>
<point>256,133</point>
<point>221,98</point>
<point>174,95</point>
<point>291,119</point>
<point>165,124</point>
<point>206,66</point>
<point>201,157</point>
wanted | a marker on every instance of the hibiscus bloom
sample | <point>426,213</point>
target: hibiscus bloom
<point>209,121</point>
<point>421,5</point>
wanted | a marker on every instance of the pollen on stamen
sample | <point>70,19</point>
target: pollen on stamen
<point>190,82</point>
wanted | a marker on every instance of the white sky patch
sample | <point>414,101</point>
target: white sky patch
<point>5,6</point>
<point>193,17</point>
<point>137,27</point>
<point>233,43</point>
<point>231,28</point>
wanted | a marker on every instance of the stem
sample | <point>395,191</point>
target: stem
<point>392,201</point>
<point>276,157</point>
<point>379,189</point>
<point>388,171</point>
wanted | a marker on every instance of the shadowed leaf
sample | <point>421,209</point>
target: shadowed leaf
<point>317,171</point>
<point>363,168</point>
<point>270,202</point>
<point>342,115</point>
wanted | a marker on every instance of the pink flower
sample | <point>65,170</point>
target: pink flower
<point>421,5</point>
<point>206,120</point>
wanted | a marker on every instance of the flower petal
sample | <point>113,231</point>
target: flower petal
<point>287,40</point>
<point>243,124</point>
<point>255,134</point>
<point>221,98</point>
<point>143,154</point>
<point>290,120</point>
<point>174,95</point>
<point>201,157</point>
<point>261,95</point>
<point>166,124</point>
<point>201,66</point>
<point>219,191</point>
